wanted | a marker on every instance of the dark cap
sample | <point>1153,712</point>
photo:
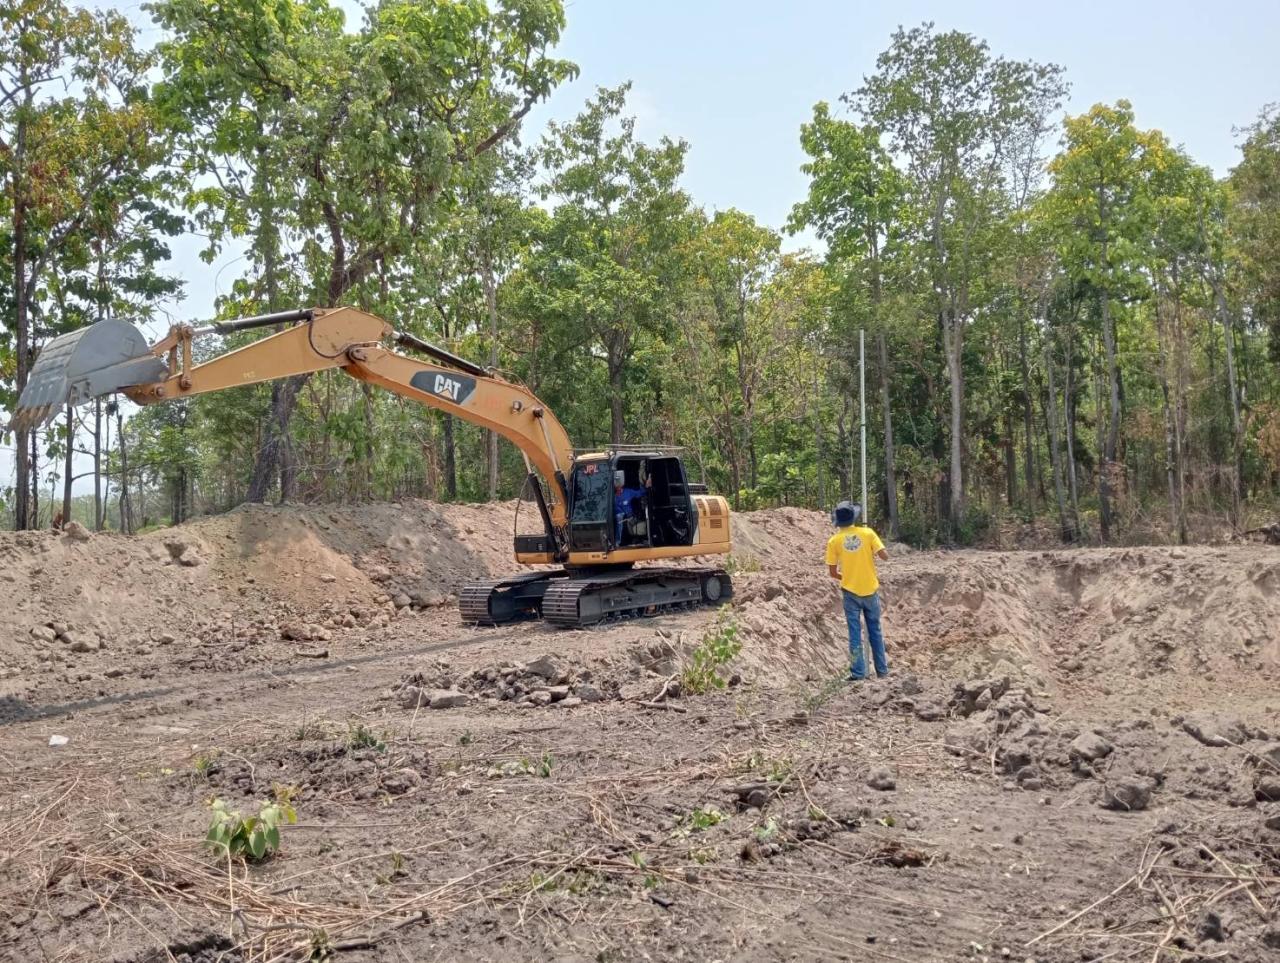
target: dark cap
<point>846,513</point>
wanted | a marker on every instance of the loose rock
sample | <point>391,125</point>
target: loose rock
<point>548,668</point>
<point>1090,747</point>
<point>882,779</point>
<point>449,699</point>
<point>1126,794</point>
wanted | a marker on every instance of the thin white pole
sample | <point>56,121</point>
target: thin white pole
<point>862,404</point>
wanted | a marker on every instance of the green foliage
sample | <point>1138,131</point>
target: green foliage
<point>718,648</point>
<point>360,736</point>
<point>699,820</point>
<point>206,763</point>
<point>252,838</point>
<point>767,830</point>
<point>1006,302</point>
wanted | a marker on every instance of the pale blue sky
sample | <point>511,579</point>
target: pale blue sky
<point>736,78</point>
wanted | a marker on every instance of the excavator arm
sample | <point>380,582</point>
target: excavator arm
<point>89,363</point>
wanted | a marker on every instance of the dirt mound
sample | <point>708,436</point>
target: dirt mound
<point>1137,617</point>
<point>265,583</point>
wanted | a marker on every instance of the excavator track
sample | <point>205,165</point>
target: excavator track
<point>510,599</point>
<point>584,600</point>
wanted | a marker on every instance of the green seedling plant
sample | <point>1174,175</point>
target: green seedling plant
<point>206,763</point>
<point>252,838</point>
<point>815,700</point>
<point>700,820</point>
<point>360,736</point>
<point>767,830</point>
<point>718,648</point>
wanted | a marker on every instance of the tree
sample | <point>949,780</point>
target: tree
<point>372,127</point>
<point>66,158</point>
<point>950,110</point>
<point>1101,205</point>
<point>857,203</point>
<point>605,272</point>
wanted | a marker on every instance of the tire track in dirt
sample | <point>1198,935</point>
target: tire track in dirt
<point>146,695</point>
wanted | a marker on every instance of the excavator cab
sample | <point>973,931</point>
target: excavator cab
<point>659,512</point>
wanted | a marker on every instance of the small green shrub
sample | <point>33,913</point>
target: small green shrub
<point>767,830</point>
<point>360,736</point>
<point>718,648</point>
<point>700,820</point>
<point>206,763</point>
<point>250,837</point>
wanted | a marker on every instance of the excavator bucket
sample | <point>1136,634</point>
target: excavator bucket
<point>89,363</point>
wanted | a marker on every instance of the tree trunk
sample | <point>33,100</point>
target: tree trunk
<point>616,399</point>
<point>66,480</point>
<point>1069,411</point>
<point>1177,520</point>
<point>890,469</point>
<point>276,453</point>
<point>1055,451</point>
<point>1010,461</point>
<point>817,443</point>
<point>23,497</point>
<point>277,449</point>
<point>491,306</point>
<point>33,519</point>
<point>1030,467</point>
<point>952,335</point>
<point>99,513</point>
<point>1112,435</point>
<point>126,503</point>
<point>1180,415</point>
<point>367,400</point>
<point>1237,433</point>
<point>450,459</point>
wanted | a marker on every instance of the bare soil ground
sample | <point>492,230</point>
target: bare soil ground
<point>1077,756</point>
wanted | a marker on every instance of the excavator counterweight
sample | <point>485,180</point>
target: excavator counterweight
<point>601,513</point>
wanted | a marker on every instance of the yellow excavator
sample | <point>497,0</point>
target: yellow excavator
<point>600,512</point>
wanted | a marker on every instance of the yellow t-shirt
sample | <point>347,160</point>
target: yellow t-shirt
<point>853,550</point>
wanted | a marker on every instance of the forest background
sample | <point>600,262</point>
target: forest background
<point>1072,325</point>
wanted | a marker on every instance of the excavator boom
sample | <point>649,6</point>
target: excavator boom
<point>113,356</point>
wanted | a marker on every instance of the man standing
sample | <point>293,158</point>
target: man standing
<point>851,558</point>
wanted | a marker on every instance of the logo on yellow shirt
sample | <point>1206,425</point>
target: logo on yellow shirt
<point>852,543</point>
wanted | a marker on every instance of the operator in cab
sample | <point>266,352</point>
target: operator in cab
<point>623,502</point>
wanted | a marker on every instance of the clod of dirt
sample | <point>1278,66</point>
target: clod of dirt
<point>80,641</point>
<point>449,699</point>
<point>1089,747</point>
<point>1210,927</point>
<point>1215,734</point>
<point>1266,788</point>
<point>1126,794</point>
<point>930,712</point>
<point>977,694</point>
<point>415,697</point>
<point>549,668</point>
<point>898,855</point>
<point>968,739</point>
<point>882,779</point>
<point>76,532</point>
<point>1272,822</point>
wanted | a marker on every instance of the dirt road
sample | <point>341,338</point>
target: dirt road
<point>1077,757</point>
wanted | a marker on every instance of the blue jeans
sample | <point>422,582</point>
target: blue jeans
<point>856,608</point>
